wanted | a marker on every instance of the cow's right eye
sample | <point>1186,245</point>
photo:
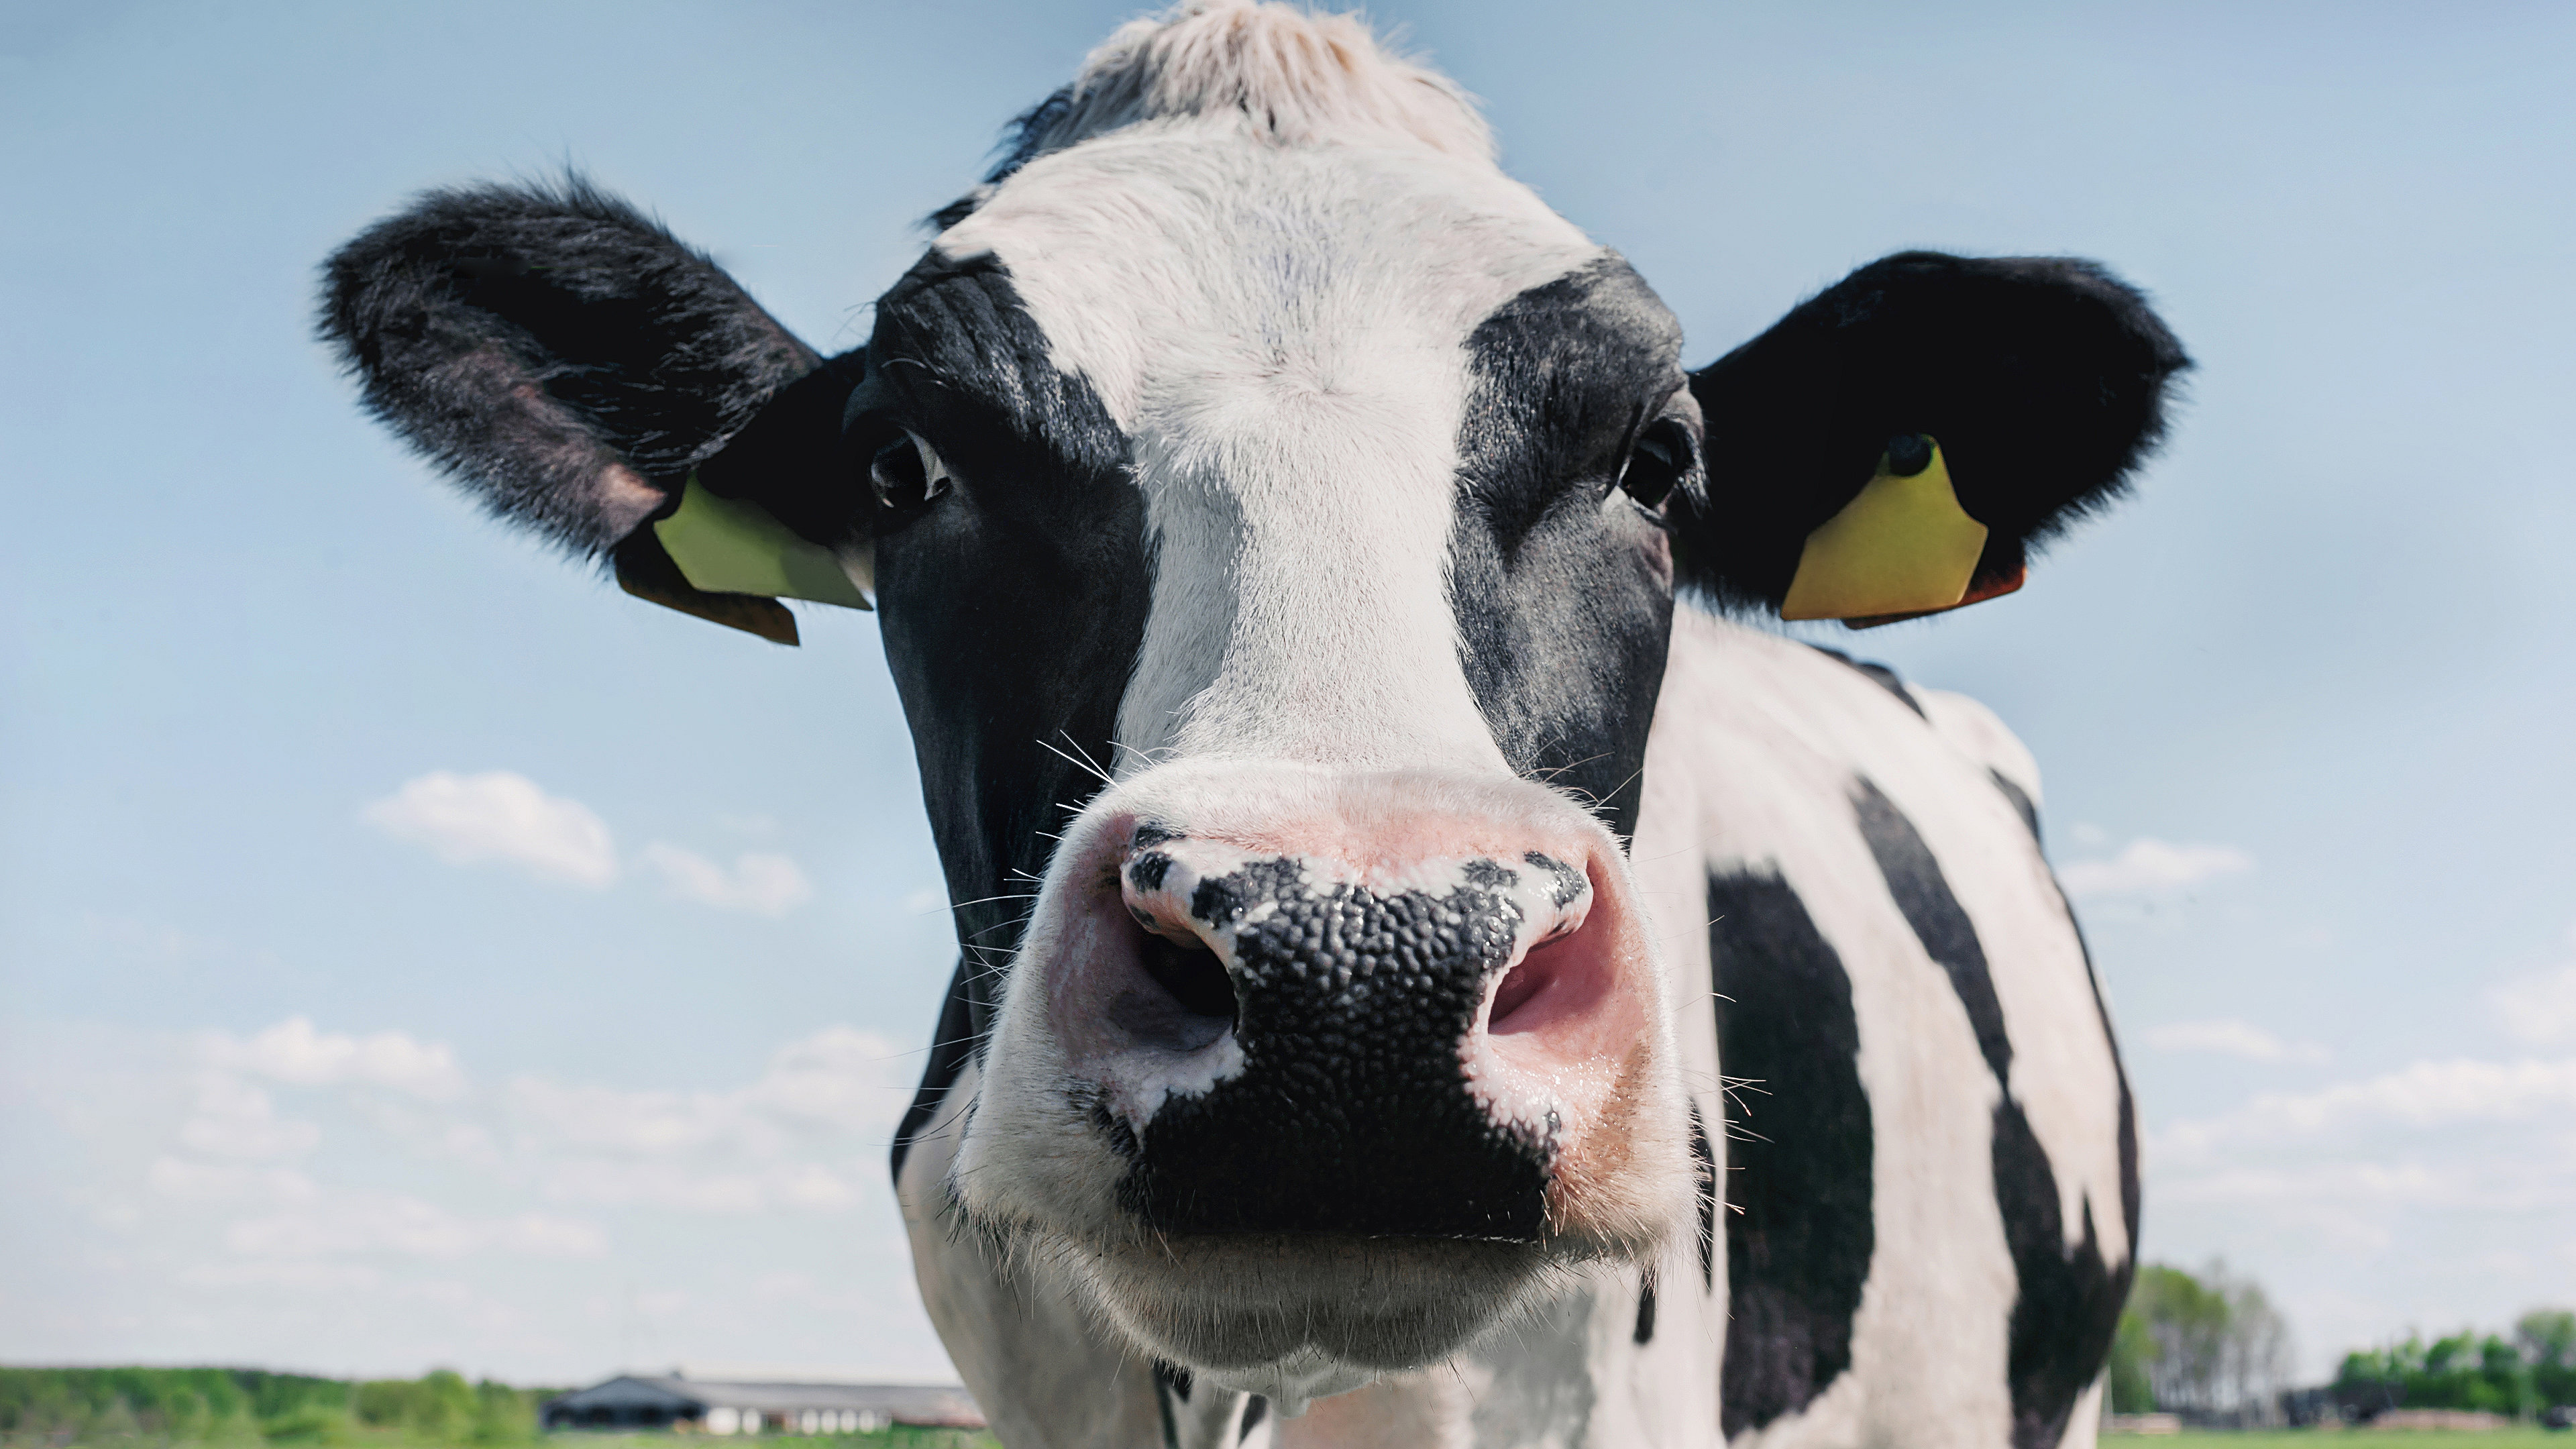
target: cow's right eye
<point>906,474</point>
<point>1662,458</point>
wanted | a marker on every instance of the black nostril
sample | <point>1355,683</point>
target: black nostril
<point>1193,976</point>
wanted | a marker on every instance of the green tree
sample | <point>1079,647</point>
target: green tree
<point>503,1415</point>
<point>2547,1338</point>
<point>2465,1370</point>
<point>2188,1325</point>
<point>2208,1342</point>
<point>2133,1353</point>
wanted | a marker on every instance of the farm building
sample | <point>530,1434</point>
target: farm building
<point>727,1406</point>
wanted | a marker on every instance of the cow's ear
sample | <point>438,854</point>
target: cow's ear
<point>588,376</point>
<point>1899,443</point>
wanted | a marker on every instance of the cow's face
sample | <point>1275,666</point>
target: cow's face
<point>1275,513</point>
<point>1314,493</point>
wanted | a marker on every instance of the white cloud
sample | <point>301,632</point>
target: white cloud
<point>292,1051</point>
<point>371,1222</point>
<point>2474,1182</point>
<point>2409,1183</point>
<point>763,883</point>
<point>838,1081</point>
<point>186,1181</point>
<point>193,1195</point>
<point>237,1121</point>
<point>2152,867</point>
<point>840,1077</point>
<point>498,815</point>
<point>284,1273</point>
<point>809,1186</point>
<point>2231,1037</point>
<point>2427,1094</point>
<point>2539,1008</point>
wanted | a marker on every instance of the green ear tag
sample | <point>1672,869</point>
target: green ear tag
<point>732,546</point>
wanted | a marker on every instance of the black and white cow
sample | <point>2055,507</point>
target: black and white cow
<point>1464,999</point>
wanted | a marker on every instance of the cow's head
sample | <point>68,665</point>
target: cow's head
<point>1275,513</point>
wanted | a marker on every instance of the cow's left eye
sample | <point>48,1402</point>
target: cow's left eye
<point>906,474</point>
<point>1659,462</point>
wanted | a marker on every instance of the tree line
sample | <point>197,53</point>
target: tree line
<point>2205,1344</point>
<point>2211,1346</point>
<point>249,1408</point>
<point>2533,1370</point>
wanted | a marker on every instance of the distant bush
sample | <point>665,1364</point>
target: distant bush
<point>307,1427</point>
<point>247,1408</point>
<point>2533,1370</point>
<point>188,1404</point>
<point>440,1406</point>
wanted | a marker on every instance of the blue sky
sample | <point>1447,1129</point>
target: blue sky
<point>413,951</point>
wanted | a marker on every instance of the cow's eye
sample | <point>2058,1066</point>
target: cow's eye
<point>906,474</point>
<point>1661,459</point>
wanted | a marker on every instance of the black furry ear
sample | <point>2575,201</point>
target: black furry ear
<point>2042,379</point>
<point>562,355</point>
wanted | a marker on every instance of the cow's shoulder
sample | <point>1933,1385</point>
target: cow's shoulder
<point>1751,672</point>
<point>1981,735</point>
<point>1755,726</point>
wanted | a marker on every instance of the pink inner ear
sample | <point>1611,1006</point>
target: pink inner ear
<point>624,499</point>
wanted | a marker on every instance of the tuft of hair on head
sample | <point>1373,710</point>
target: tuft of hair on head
<point>1294,76</point>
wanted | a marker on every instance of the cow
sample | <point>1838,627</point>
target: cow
<point>1419,984</point>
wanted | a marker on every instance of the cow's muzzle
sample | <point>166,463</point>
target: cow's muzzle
<point>1404,1007</point>
<point>1301,1061</point>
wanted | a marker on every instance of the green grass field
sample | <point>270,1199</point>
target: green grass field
<point>2518,1437</point>
<point>882,1440</point>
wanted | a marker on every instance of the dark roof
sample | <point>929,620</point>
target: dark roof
<point>907,1403</point>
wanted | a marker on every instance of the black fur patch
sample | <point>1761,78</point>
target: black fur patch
<point>1170,1382</point>
<point>952,1044</point>
<point>1644,1332</point>
<point>530,339</point>
<point>1351,1113</point>
<point>1563,590</point>
<point>2043,378</point>
<point>1012,607</point>
<point>2130,1198</point>
<point>2069,1304</point>
<point>2021,804</point>
<point>1801,1225</point>
<point>1878,674</point>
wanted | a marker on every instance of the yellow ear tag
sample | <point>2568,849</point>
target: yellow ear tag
<point>1904,546</point>
<point>732,546</point>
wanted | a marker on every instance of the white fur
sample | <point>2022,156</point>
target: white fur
<point>1280,332</point>
<point>1297,78</point>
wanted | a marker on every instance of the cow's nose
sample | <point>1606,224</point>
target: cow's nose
<point>1220,929</point>
<point>1378,1048</point>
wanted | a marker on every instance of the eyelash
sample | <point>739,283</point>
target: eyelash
<point>907,474</point>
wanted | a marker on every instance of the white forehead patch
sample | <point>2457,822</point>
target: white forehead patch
<point>1281,333</point>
